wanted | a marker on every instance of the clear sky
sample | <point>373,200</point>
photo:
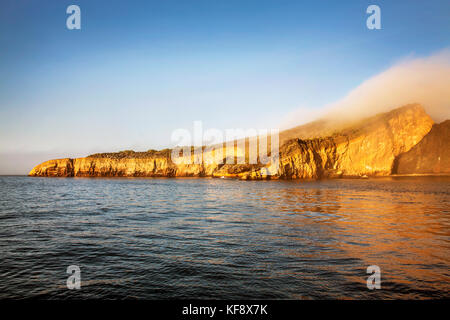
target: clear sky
<point>137,70</point>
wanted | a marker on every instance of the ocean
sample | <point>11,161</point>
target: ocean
<point>204,238</point>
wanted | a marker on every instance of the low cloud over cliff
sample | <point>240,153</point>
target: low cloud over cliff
<point>411,80</point>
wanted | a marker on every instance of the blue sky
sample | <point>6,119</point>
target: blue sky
<point>137,70</point>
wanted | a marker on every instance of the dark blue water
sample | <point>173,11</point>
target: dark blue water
<point>219,238</point>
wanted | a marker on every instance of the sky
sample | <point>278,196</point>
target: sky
<point>138,70</point>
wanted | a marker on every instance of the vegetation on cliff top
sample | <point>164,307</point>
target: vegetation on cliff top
<point>130,154</point>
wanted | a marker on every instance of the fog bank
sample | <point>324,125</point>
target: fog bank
<point>412,80</point>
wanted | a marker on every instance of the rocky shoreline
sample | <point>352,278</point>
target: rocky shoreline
<point>402,141</point>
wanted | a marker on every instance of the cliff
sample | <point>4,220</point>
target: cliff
<point>367,147</point>
<point>430,155</point>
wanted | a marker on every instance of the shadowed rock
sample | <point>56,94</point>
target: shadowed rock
<point>430,155</point>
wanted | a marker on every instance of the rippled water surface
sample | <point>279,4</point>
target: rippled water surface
<point>219,238</point>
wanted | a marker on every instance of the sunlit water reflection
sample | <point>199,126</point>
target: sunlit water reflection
<point>219,238</point>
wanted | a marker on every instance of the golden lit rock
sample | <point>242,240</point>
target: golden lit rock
<point>369,147</point>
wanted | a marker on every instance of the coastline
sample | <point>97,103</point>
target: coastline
<point>238,178</point>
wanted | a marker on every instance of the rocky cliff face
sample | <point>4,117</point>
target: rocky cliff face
<point>368,147</point>
<point>104,167</point>
<point>430,155</point>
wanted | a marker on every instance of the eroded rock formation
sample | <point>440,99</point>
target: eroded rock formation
<point>430,155</point>
<point>369,147</point>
